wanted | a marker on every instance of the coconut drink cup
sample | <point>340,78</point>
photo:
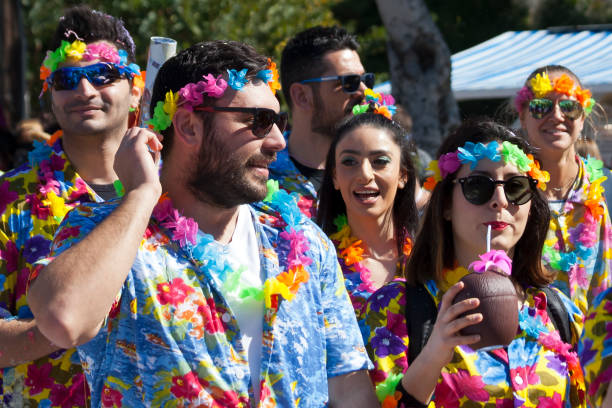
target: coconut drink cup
<point>490,282</point>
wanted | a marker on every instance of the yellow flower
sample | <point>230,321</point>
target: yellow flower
<point>57,205</point>
<point>170,103</point>
<point>540,85</point>
<point>75,50</point>
<point>433,166</point>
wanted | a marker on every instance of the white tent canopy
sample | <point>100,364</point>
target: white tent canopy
<point>497,68</point>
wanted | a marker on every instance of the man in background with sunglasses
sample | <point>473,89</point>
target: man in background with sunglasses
<point>322,78</point>
<point>219,293</point>
<point>90,85</point>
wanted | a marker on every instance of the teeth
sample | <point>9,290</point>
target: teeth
<point>367,193</point>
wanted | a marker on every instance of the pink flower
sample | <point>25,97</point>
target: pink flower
<point>387,99</point>
<point>448,163</point>
<point>39,378</point>
<point>186,386</point>
<point>163,209</point>
<point>523,95</point>
<point>49,185</point>
<point>298,246</point>
<point>37,207</point>
<point>494,257</point>
<point>551,402</point>
<point>111,398</point>
<point>101,51</point>
<point>183,229</point>
<point>552,341</point>
<point>522,377</point>
<point>10,255</point>
<point>192,93</point>
<point>80,189</point>
<point>174,292</point>
<point>446,395</point>
<point>578,276</point>
<point>212,323</point>
<point>215,87</point>
<point>471,386</point>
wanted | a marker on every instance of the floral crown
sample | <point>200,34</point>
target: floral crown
<point>78,50</point>
<point>192,94</point>
<point>541,84</point>
<point>379,103</point>
<point>472,153</point>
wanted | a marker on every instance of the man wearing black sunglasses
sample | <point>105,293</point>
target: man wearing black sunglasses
<point>210,295</point>
<point>91,101</point>
<point>322,78</point>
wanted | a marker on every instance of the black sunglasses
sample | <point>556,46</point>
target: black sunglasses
<point>478,189</point>
<point>541,107</point>
<point>350,83</point>
<point>263,118</point>
<point>68,78</point>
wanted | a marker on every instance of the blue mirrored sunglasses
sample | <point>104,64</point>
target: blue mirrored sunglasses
<point>99,74</point>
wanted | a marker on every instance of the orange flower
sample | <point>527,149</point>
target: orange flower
<point>542,176</point>
<point>54,137</point>
<point>583,96</point>
<point>391,401</point>
<point>383,110</point>
<point>293,277</point>
<point>353,253</point>
<point>564,85</point>
<point>407,249</point>
<point>430,183</point>
<point>273,84</point>
<point>44,72</point>
<point>595,208</point>
<point>139,80</point>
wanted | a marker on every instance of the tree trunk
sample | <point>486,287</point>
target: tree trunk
<point>420,67</point>
<point>12,66</point>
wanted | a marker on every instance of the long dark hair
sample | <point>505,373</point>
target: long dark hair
<point>434,248</point>
<point>331,204</point>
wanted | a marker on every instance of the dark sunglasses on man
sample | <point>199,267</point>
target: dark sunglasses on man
<point>478,189</point>
<point>263,118</point>
<point>350,83</point>
<point>68,78</point>
<point>540,107</point>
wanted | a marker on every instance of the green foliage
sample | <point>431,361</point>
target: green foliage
<point>265,24</point>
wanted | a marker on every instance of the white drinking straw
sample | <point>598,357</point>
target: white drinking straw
<point>488,237</point>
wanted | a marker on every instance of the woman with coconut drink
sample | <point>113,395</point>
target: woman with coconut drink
<point>485,180</point>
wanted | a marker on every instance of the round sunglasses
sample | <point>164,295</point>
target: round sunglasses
<point>263,118</point>
<point>541,107</point>
<point>68,78</point>
<point>478,189</point>
<point>350,83</point>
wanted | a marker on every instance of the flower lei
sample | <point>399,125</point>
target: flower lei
<point>201,250</point>
<point>78,50</point>
<point>352,252</point>
<point>50,171</point>
<point>192,94</point>
<point>472,153</point>
<point>376,102</point>
<point>540,85</point>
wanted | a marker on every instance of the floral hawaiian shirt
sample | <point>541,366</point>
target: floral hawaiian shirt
<point>171,339</point>
<point>526,373</point>
<point>595,348</point>
<point>290,179</point>
<point>33,200</point>
<point>578,245</point>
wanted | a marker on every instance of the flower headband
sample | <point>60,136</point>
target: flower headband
<point>379,103</point>
<point>78,50</point>
<point>472,153</point>
<point>192,94</point>
<point>540,85</point>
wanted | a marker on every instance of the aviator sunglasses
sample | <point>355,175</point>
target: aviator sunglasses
<point>478,189</point>
<point>99,74</point>
<point>541,107</point>
<point>263,118</point>
<point>350,83</point>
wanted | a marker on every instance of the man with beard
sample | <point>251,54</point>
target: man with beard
<point>204,297</point>
<point>322,79</point>
<point>91,87</point>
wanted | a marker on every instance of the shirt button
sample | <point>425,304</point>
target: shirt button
<point>226,317</point>
<point>240,375</point>
<point>518,379</point>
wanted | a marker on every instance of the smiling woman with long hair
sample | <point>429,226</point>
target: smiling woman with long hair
<point>485,178</point>
<point>367,203</point>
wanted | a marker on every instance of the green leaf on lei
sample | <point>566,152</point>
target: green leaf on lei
<point>160,120</point>
<point>513,154</point>
<point>388,386</point>
<point>593,168</point>
<point>340,221</point>
<point>359,109</point>
<point>272,189</point>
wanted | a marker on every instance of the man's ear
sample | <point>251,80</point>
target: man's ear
<point>135,95</point>
<point>301,96</point>
<point>188,128</point>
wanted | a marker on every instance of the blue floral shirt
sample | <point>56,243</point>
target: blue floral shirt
<point>172,339</point>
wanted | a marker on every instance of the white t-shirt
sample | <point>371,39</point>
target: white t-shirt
<point>244,251</point>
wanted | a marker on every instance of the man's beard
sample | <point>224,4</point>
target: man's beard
<point>322,121</point>
<point>220,178</point>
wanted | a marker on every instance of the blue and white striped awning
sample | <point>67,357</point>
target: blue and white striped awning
<point>497,68</point>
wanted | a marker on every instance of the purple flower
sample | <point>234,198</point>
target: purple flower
<point>385,343</point>
<point>494,257</point>
<point>36,248</point>
<point>382,297</point>
<point>557,363</point>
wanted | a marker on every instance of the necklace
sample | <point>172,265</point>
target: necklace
<point>204,251</point>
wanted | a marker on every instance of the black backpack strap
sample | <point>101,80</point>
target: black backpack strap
<point>558,314</point>
<point>421,313</point>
